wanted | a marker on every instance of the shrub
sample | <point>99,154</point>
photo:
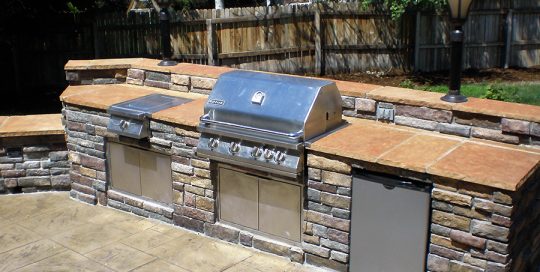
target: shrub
<point>499,93</point>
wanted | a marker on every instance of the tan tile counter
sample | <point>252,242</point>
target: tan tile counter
<point>31,125</point>
<point>2,119</point>
<point>484,163</point>
<point>187,114</point>
<point>103,96</point>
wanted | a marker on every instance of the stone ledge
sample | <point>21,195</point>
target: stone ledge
<point>31,125</point>
<point>101,64</point>
<point>103,96</point>
<point>380,93</point>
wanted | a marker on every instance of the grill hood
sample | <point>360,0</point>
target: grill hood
<point>275,107</point>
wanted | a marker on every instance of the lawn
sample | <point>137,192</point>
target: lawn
<point>520,92</point>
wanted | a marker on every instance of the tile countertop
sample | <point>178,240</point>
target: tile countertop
<point>103,96</point>
<point>476,161</point>
<point>31,125</point>
<point>480,162</point>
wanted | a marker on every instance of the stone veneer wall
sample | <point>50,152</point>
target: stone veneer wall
<point>465,124</point>
<point>33,163</point>
<point>194,196</point>
<point>327,212</point>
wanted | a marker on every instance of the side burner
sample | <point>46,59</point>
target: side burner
<point>130,118</point>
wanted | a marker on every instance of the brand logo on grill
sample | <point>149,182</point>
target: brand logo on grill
<point>216,102</point>
<point>257,98</point>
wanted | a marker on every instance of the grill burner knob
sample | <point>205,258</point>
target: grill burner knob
<point>124,124</point>
<point>280,156</point>
<point>235,147</point>
<point>268,154</point>
<point>213,143</point>
<point>256,152</point>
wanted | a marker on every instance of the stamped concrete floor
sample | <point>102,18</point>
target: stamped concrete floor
<point>51,232</point>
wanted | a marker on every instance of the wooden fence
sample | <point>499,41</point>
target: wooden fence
<point>332,38</point>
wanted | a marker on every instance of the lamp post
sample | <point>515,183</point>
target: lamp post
<point>147,6</point>
<point>165,29</point>
<point>459,9</point>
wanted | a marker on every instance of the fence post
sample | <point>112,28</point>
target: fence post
<point>210,42</point>
<point>319,69</point>
<point>508,36</point>
<point>417,42</point>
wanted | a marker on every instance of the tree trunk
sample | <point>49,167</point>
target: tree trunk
<point>219,4</point>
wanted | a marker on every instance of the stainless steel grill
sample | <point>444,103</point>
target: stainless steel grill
<point>262,120</point>
<point>131,118</point>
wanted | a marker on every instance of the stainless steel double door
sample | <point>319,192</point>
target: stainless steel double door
<point>140,172</point>
<point>268,206</point>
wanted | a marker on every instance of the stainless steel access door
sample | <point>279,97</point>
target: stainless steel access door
<point>140,172</point>
<point>156,177</point>
<point>238,198</point>
<point>124,168</point>
<point>389,224</point>
<point>279,209</point>
<point>268,206</point>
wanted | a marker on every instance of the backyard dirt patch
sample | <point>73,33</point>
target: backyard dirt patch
<point>494,75</point>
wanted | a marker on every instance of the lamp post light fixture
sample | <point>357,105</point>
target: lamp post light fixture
<point>148,6</point>
<point>459,9</point>
<point>165,29</point>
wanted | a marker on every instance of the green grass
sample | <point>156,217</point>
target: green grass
<point>523,92</point>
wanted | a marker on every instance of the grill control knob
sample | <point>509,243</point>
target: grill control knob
<point>280,156</point>
<point>124,124</point>
<point>235,147</point>
<point>213,143</point>
<point>268,154</point>
<point>256,152</point>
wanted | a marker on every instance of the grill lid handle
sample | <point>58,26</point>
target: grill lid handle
<point>295,135</point>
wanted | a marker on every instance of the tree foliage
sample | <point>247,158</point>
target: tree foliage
<point>398,7</point>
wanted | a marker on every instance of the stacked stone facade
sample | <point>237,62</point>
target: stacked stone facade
<point>464,124</point>
<point>96,77</point>
<point>34,163</point>
<point>476,228</point>
<point>85,132</point>
<point>327,216</point>
<point>174,82</point>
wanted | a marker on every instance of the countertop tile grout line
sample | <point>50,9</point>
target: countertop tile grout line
<point>445,154</point>
<point>394,147</point>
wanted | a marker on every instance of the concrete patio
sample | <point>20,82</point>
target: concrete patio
<point>51,232</point>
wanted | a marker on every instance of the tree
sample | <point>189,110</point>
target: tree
<point>398,7</point>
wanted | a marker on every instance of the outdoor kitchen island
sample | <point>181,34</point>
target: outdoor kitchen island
<point>484,212</point>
